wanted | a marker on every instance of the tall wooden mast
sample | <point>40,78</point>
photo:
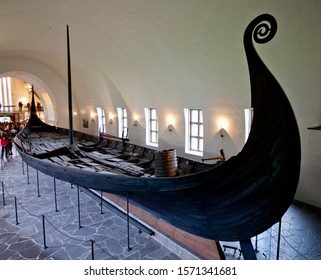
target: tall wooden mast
<point>33,104</point>
<point>71,130</point>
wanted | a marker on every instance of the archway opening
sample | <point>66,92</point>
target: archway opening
<point>15,98</point>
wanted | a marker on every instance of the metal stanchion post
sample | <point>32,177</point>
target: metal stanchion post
<point>101,203</point>
<point>44,232</point>
<point>16,210</point>
<point>92,249</point>
<point>279,241</point>
<point>38,183</point>
<point>55,191</point>
<point>127,205</point>
<point>3,199</point>
<point>78,199</point>
<point>256,250</point>
<point>28,174</point>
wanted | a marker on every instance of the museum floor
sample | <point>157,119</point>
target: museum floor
<point>37,222</point>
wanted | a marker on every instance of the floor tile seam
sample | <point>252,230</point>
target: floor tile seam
<point>83,241</point>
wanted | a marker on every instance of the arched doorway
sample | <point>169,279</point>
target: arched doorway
<point>15,98</point>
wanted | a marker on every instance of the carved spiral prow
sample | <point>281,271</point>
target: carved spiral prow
<point>264,86</point>
<point>263,28</point>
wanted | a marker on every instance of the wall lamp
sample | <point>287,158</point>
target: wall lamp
<point>170,122</point>
<point>92,115</point>
<point>135,118</point>
<point>223,125</point>
<point>221,132</point>
<point>111,116</point>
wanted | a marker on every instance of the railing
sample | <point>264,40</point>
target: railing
<point>17,108</point>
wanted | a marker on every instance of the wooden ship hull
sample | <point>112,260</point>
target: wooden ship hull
<point>231,200</point>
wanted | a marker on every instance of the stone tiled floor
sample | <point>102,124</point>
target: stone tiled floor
<point>67,235</point>
<point>70,236</point>
<point>300,237</point>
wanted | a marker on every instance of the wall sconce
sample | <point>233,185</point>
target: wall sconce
<point>223,125</point>
<point>135,117</point>
<point>170,122</point>
<point>92,115</point>
<point>111,116</point>
<point>221,132</point>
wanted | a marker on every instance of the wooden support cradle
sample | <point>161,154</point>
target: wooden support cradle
<point>221,157</point>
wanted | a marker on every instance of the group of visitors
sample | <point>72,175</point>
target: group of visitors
<point>7,132</point>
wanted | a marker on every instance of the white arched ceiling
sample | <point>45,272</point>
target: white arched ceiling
<point>173,53</point>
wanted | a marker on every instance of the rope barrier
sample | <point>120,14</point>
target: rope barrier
<point>43,218</point>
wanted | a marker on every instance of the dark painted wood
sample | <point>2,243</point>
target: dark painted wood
<point>315,127</point>
<point>247,250</point>
<point>70,111</point>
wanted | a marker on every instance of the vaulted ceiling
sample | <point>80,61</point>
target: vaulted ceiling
<point>134,52</point>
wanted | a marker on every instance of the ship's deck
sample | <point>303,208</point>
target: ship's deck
<point>106,155</point>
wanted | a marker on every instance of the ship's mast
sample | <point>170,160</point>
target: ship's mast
<point>71,131</point>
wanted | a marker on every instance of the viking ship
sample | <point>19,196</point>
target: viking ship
<point>231,200</point>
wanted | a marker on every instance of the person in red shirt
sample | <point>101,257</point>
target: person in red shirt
<point>4,144</point>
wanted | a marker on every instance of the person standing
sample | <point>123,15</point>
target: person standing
<point>4,144</point>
